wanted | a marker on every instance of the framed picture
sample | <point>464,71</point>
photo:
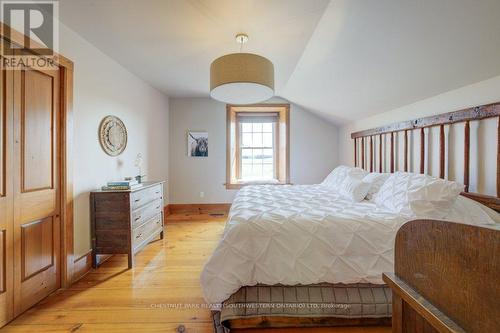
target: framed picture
<point>197,144</point>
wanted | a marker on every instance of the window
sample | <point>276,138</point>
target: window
<point>256,153</point>
<point>257,138</point>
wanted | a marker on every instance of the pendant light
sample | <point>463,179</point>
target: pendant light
<point>241,78</point>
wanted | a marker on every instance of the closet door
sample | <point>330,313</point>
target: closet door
<point>6,197</point>
<point>36,186</point>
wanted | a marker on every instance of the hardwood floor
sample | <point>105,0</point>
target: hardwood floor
<point>113,299</point>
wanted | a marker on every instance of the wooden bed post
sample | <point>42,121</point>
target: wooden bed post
<point>380,154</point>
<point>362,152</point>
<point>406,150</point>
<point>355,154</point>
<point>397,313</point>
<point>371,154</point>
<point>441,151</point>
<point>466,155</point>
<point>498,157</point>
<point>422,150</point>
<point>392,152</point>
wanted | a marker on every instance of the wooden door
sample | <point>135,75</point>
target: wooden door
<point>6,196</point>
<point>36,186</point>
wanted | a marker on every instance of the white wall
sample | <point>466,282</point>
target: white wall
<point>103,87</point>
<point>313,150</point>
<point>483,134</point>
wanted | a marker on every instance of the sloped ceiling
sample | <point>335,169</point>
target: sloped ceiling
<point>367,57</point>
<point>171,43</point>
<point>343,59</point>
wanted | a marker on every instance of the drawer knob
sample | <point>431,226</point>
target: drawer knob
<point>137,218</point>
<point>137,200</point>
<point>138,236</point>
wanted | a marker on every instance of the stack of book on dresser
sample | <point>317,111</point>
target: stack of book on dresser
<point>121,185</point>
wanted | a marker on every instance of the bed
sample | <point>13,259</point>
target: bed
<point>300,243</point>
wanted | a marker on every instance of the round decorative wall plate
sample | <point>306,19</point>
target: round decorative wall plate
<point>112,135</point>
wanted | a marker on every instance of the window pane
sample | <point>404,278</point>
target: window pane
<point>268,140</point>
<point>246,127</point>
<point>246,139</point>
<point>267,156</point>
<point>257,127</point>
<point>246,155</point>
<point>246,171</point>
<point>257,139</point>
<point>257,171</point>
<point>268,171</point>
<point>267,127</point>
<point>257,156</point>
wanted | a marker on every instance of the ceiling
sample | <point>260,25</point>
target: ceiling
<point>171,43</point>
<point>367,57</point>
<point>343,59</point>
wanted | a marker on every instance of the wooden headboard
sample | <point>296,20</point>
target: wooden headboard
<point>387,137</point>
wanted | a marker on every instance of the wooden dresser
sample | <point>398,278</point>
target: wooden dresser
<point>124,222</point>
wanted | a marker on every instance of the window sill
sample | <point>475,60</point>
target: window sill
<point>238,185</point>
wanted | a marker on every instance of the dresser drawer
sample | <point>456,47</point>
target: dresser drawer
<point>145,213</point>
<point>143,197</point>
<point>145,231</point>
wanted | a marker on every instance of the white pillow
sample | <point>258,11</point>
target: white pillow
<point>376,180</point>
<point>337,176</point>
<point>416,194</point>
<point>354,189</point>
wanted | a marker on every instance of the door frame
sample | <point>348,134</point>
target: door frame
<point>66,152</point>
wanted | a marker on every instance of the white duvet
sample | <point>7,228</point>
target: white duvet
<point>305,234</point>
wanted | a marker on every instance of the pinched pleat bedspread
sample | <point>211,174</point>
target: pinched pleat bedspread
<point>303,235</point>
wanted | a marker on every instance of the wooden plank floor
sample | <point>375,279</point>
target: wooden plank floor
<point>152,297</point>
